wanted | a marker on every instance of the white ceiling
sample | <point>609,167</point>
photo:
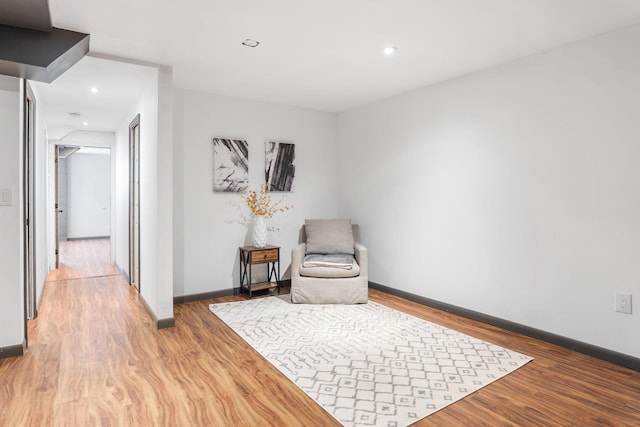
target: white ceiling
<point>119,86</point>
<point>327,54</point>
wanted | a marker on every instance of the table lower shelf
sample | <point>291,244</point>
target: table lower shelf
<point>261,286</point>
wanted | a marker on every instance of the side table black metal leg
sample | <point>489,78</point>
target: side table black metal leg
<point>249,283</point>
<point>243,271</point>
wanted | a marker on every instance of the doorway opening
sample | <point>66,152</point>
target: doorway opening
<point>83,212</point>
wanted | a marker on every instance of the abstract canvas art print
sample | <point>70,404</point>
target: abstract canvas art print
<point>230,165</point>
<point>279,165</point>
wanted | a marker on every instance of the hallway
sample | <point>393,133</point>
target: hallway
<point>96,358</point>
<point>80,259</point>
<point>78,344</point>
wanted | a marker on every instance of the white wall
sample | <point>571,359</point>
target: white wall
<point>207,230</point>
<point>87,138</point>
<point>40,188</point>
<point>164,193</point>
<point>11,281</point>
<point>512,192</point>
<point>120,210</point>
<point>156,179</point>
<point>88,195</point>
<point>50,205</point>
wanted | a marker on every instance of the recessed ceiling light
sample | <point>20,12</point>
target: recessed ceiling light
<point>85,124</point>
<point>94,89</point>
<point>250,43</point>
<point>390,50</point>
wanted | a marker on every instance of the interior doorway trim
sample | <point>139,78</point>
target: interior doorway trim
<point>57,210</point>
<point>134,202</point>
<point>29,203</point>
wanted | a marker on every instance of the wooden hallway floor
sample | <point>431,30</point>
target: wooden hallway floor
<point>95,359</point>
<point>80,259</point>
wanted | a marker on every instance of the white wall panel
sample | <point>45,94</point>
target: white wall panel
<point>512,191</point>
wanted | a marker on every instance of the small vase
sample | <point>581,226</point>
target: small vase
<point>260,231</point>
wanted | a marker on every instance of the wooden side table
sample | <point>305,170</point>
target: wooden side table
<point>251,255</point>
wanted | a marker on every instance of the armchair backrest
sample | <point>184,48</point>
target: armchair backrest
<point>302,236</point>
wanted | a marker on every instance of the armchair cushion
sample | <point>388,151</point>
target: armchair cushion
<point>329,260</point>
<point>329,236</point>
<point>330,272</point>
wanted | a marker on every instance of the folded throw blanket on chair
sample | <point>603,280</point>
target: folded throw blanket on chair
<point>344,261</point>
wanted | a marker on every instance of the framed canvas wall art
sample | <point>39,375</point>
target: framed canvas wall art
<point>230,165</point>
<point>279,165</point>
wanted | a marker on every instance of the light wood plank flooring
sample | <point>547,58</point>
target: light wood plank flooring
<point>96,359</point>
<point>80,259</point>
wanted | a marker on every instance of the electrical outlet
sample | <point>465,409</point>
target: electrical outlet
<point>623,302</point>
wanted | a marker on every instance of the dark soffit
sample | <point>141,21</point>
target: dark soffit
<point>38,55</point>
<point>31,14</point>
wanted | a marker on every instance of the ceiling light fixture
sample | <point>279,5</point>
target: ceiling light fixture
<point>390,50</point>
<point>250,43</point>
<point>85,124</point>
<point>94,89</point>
<point>74,114</point>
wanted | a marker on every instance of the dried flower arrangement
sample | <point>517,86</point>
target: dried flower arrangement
<point>261,205</point>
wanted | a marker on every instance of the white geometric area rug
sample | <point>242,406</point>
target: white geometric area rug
<point>367,364</point>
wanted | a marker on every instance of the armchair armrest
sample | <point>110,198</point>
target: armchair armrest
<point>297,255</point>
<point>362,257</point>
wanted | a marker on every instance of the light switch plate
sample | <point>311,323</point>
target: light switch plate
<point>6,197</point>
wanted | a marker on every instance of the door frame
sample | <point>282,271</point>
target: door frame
<point>29,203</point>
<point>134,202</point>
<point>56,178</point>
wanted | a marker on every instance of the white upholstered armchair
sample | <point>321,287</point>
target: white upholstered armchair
<point>329,265</point>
